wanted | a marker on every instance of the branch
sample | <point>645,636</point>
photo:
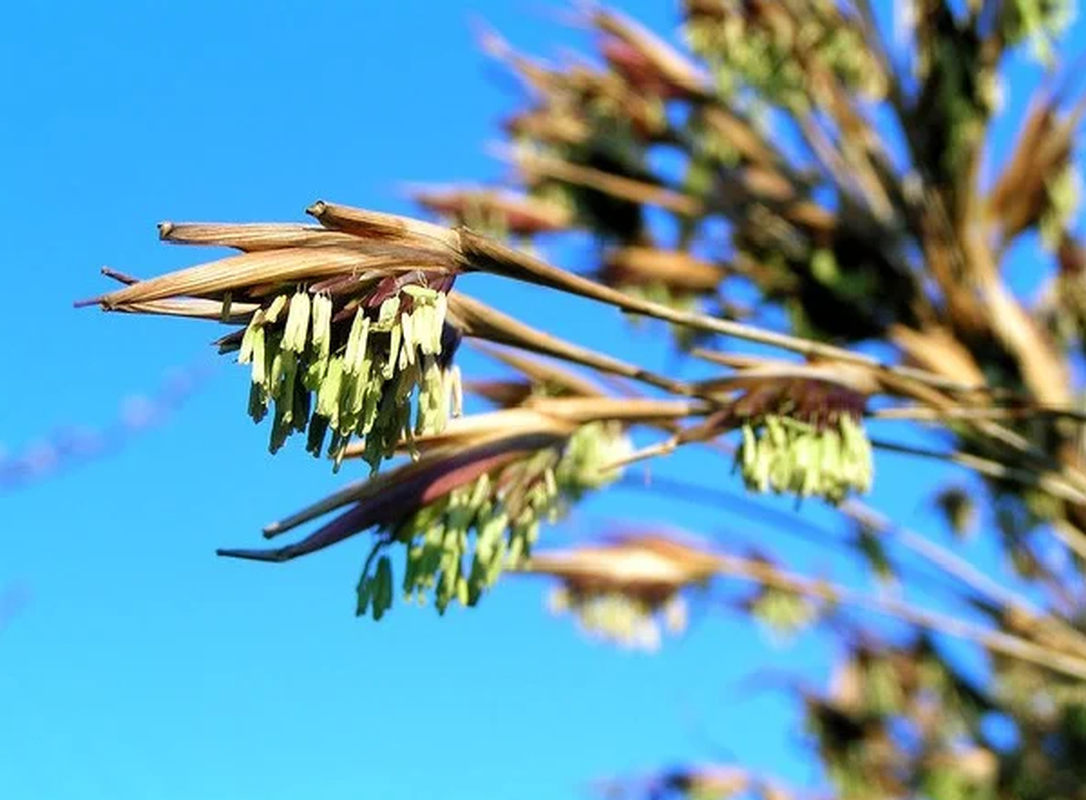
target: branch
<point>991,640</point>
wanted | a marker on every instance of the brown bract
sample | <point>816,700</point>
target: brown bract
<point>647,60</point>
<point>385,498</point>
<point>673,268</point>
<point>516,213</point>
<point>818,393</point>
<point>1043,148</point>
<point>649,567</point>
<point>352,252</point>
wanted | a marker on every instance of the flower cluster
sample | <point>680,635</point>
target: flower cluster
<point>780,49</point>
<point>629,622</point>
<point>627,592</point>
<point>353,374</point>
<point>794,457</point>
<point>785,613</point>
<point>804,437</point>
<point>1039,21</point>
<point>459,545</point>
<point>344,324</point>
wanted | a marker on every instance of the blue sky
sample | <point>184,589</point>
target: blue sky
<point>144,667</point>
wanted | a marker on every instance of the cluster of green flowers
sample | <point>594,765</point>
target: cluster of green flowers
<point>628,621</point>
<point>806,459</point>
<point>355,380</point>
<point>589,450</point>
<point>747,51</point>
<point>1040,21</point>
<point>785,613</point>
<point>458,546</point>
<point>504,529</point>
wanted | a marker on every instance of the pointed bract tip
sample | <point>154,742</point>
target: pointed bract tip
<point>489,40</point>
<point>274,556</point>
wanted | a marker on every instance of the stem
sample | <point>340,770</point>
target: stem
<point>1055,485</point>
<point>991,640</point>
<point>926,414</point>
<point>478,320</point>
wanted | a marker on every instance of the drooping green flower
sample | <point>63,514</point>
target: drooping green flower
<point>804,437</point>
<point>788,456</point>
<point>458,547</point>
<point>626,591</point>
<point>469,508</point>
<point>362,375</point>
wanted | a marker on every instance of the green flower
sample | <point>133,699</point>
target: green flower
<point>457,547</point>
<point>804,437</point>
<point>785,455</point>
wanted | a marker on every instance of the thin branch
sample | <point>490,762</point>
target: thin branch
<point>946,562</point>
<point>478,320</point>
<point>926,414</point>
<point>1055,485</point>
<point>786,522</point>
<point>992,640</point>
<point>963,571</point>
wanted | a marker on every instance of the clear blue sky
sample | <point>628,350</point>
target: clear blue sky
<point>144,667</point>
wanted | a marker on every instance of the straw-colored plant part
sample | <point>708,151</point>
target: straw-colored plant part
<point>800,458</point>
<point>626,591</point>
<point>495,213</point>
<point>802,435</point>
